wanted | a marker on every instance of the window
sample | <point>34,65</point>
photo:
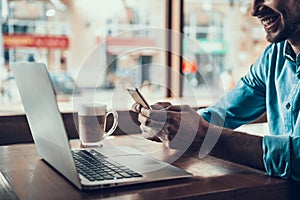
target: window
<point>102,47</point>
<point>222,41</point>
<point>79,39</point>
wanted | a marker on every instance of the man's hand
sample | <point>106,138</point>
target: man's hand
<point>176,126</point>
<point>179,127</point>
<point>158,106</point>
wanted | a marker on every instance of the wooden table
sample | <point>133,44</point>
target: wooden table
<point>32,178</point>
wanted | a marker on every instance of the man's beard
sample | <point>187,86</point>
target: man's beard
<point>291,29</point>
<point>281,36</point>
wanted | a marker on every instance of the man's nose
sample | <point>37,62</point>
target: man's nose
<point>256,4</point>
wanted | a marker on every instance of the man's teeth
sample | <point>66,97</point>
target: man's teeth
<point>268,21</point>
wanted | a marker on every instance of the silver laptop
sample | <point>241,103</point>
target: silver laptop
<point>85,168</point>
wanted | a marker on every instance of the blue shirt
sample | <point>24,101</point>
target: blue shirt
<point>271,86</point>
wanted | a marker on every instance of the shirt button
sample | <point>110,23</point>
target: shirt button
<point>287,106</point>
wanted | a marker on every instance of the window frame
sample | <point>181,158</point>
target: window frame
<point>174,23</point>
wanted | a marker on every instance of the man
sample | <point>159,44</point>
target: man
<point>272,86</point>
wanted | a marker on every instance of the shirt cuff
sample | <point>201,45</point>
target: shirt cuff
<point>277,155</point>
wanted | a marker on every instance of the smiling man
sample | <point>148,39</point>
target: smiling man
<point>271,86</point>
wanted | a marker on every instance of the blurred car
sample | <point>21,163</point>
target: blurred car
<point>63,83</point>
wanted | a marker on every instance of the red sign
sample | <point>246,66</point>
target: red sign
<point>38,41</point>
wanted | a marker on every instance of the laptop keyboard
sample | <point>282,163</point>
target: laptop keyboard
<point>95,167</point>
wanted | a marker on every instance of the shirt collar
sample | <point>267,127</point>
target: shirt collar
<point>289,53</point>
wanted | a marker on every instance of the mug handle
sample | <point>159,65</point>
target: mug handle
<point>115,124</point>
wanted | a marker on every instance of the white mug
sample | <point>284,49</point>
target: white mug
<point>92,123</point>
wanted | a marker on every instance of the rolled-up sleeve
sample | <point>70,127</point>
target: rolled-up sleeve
<point>269,87</point>
<point>237,107</point>
<point>277,155</point>
<point>245,102</point>
<point>282,156</point>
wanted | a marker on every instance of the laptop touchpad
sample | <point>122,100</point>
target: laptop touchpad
<point>140,163</point>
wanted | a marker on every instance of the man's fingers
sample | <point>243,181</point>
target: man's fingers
<point>151,123</point>
<point>178,108</point>
<point>164,115</point>
<point>156,126</point>
<point>149,133</point>
<point>158,115</point>
<point>160,105</point>
<point>136,107</point>
<point>144,120</point>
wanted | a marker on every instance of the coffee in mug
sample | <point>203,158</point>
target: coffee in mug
<point>92,123</point>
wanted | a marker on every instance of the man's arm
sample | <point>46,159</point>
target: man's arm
<point>238,147</point>
<point>178,127</point>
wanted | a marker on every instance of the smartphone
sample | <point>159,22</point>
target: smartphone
<point>138,97</point>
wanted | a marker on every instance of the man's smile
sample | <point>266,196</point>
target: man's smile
<point>269,18</point>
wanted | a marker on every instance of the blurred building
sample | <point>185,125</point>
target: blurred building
<point>64,33</point>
